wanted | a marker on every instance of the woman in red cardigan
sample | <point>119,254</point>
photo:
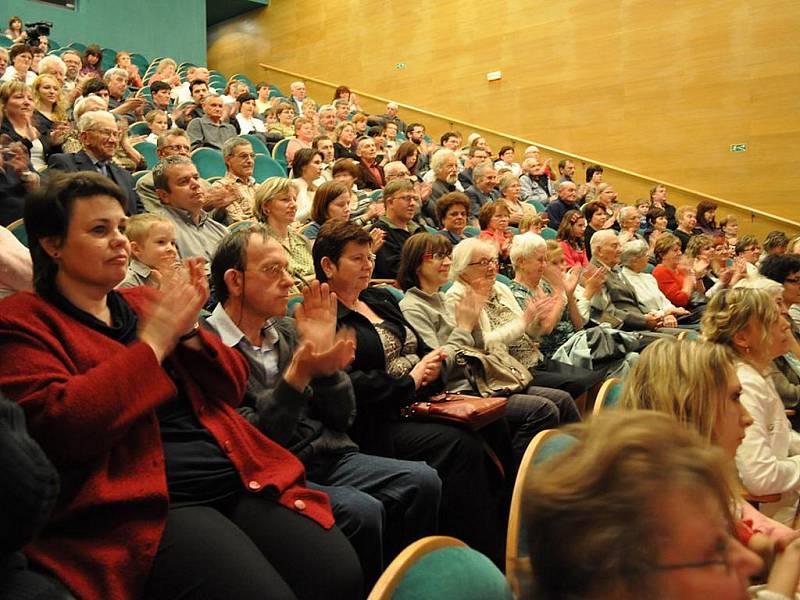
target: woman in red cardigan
<point>166,491</point>
<point>676,278</point>
<point>571,238</point>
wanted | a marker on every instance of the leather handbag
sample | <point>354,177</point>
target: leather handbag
<point>471,411</point>
<point>493,372</point>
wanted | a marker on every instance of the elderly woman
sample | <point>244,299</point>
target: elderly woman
<point>493,220</point>
<point>21,57</point>
<point>506,161</point>
<point>504,321</point>
<point>303,138</point>
<point>749,323</point>
<point>394,367</point>
<point>634,261</point>
<point>453,210</point>
<point>344,141</point>
<point>275,205</point>
<point>285,114</point>
<point>677,278</point>
<point>571,236</point>
<point>306,169</point>
<point>166,71</point>
<point>136,407</point>
<point>331,201</point>
<point>510,189</point>
<point>638,507</point>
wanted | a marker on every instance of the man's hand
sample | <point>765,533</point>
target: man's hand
<point>652,320</point>
<point>219,196</point>
<point>315,316</point>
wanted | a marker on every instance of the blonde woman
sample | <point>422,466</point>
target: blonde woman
<point>510,189</point>
<point>275,205</point>
<point>49,115</point>
<point>167,70</point>
<point>749,323</point>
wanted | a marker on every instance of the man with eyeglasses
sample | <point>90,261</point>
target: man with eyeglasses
<point>240,160</point>
<point>401,201</point>
<point>99,137</point>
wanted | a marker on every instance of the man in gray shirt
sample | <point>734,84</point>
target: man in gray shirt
<point>210,131</point>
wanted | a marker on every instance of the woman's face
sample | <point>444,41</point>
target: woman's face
<point>672,257</point>
<point>507,156</point>
<point>306,132</point>
<point>167,71</point>
<point>751,254</point>
<point>660,224</point>
<point>313,169</point>
<point>22,62</point>
<point>282,209</point>
<point>557,260</point>
<point>20,105</point>
<point>354,269</point>
<point>286,116</point>
<point>339,208</point>
<point>499,221</point>
<point>411,160</point>
<point>15,25</point>
<point>361,127</point>
<point>434,269</point>
<point>270,119</point>
<point>263,93</point>
<point>733,417</point>
<point>598,220</point>
<point>608,195</point>
<point>94,252</point>
<point>512,190</point>
<point>48,90</point>
<point>124,61</point>
<point>455,219</point>
<point>578,228</point>
<point>597,178</point>
<point>92,59</point>
<point>710,215</point>
<point>532,266</point>
<point>638,263</point>
<point>482,266</point>
<point>752,339</point>
<point>247,108</point>
<point>698,557</point>
<point>347,136</point>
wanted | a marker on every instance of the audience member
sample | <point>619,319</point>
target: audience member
<point>303,138</point>
<point>510,192</point>
<point>298,89</point>
<point>687,225</point>
<point>306,169</point>
<point>567,200</point>
<point>15,265</point>
<point>658,199</point>
<point>331,201</point>
<point>400,200</point>
<point>238,179</point>
<point>391,116</point>
<point>15,30</point>
<point>571,236</point>
<point>595,214</point>
<point>21,58</point>
<point>594,177</point>
<point>748,249</point>
<point>344,138</point>
<point>246,121</point>
<point>92,61</point>
<point>3,62</point>
<point>493,220</point>
<point>72,60</point>
<point>534,183</point>
<point>158,122</point>
<point>484,188</point>
<point>677,278</point>
<point>153,251</point>
<point>210,131</point>
<point>730,229</point>
<point>123,61</point>
<point>475,156</point>
<point>775,243</point>
<point>408,154</point>
<point>17,125</point>
<point>453,211</point>
<point>707,217</point>
<point>167,71</point>
<point>370,173</point>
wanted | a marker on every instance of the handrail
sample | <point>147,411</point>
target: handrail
<point>577,157</point>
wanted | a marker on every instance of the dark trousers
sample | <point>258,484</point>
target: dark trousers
<point>539,408</point>
<point>573,380</point>
<point>250,547</point>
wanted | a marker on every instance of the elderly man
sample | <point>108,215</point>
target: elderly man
<point>99,136</point>
<point>567,200</point>
<point>341,109</point>
<point>74,64</point>
<point>484,188</point>
<point>180,190</point>
<point>401,200</point>
<point>240,160</point>
<point>475,156</point>
<point>370,173</point>
<point>391,116</point>
<point>617,303</point>
<point>327,120</point>
<point>210,131</point>
<point>299,396</point>
<point>116,81</point>
<point>298,90</point>
<point>444,166</point>
<point>53,65</point>
<point>534,183</point>
<point>628,218</point>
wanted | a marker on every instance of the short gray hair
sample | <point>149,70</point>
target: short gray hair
<point>394,168</point>
<point>115,71</point>
<point>52,62</point>
<point>439,157</point>
<point>772,287</point>
<point>524,245</point>
<point>628,212</point>
<point>325,108</point>
<point>161,141</point>
<point>562,184</point>
<point>633,249</point>
<point>602,237</point>
<point>462,255</point>
<point>161,170</point>
<point>232,143</point>
<point>88,120</point>
<point>479,172</point>
<point>82,105</point>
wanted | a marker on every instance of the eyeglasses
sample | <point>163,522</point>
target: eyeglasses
<point>271,271</point>
<point>106,133</point>
<point>485,262</point>
<point>244,155</point>
<point>178,148</point>
<point>405,197</point>
<point>437,255</point>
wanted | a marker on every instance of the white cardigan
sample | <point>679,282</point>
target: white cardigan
<point>768,459</point>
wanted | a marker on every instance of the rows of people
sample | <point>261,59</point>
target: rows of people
<point>255,437</point>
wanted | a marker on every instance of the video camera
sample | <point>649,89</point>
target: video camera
<point>36,30</point>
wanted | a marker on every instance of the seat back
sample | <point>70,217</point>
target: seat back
<point>548,233</point>
<point>537,205</point>
<point>148,150</point>
<point>266,167</point>
<point>608,395</point>
<point>18,229</point>
<point>545,445</point>
<point>139,128</point>
<point>279,154</point>
<point>441,567</point>
<point>259,147</point>
<point>209,162</point>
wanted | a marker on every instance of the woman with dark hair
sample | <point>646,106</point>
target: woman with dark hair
<point>595,215</point>
<point>20,57</point>
<point>571,236</point>
<point>453,211</point>
<point>493,220</point>
<point>594,177</point>
<point>506,161</point>
<point>707,217</point>
<point>167,491</point>
<point>657,221</point>
<point>14,30</point>
<point>393,368</point>
<point>306,169</point>
<point>408,154</point>
<point>92,61</point>
<point>331,201</point>
<point>343,93</point>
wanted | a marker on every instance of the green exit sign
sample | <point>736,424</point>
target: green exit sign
<point>738,147</point>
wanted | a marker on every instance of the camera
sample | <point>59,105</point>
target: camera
<point>35,30</point>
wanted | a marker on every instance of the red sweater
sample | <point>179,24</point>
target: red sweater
<point>573,256</point>
<point>671,284</point>
<point>90,402</point>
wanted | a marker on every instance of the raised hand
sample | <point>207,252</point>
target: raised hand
<point>307,363</point>
<point>536,307</point>
<point>315,316</point>
<point>378,237</point>
<point>594,282</point>
<point>469,307</point>
<point>571,278</point>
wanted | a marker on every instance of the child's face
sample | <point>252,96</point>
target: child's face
<point>158,249</point>
<point>159,124</point>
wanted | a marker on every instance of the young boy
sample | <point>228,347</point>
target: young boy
<point>153,250</point>
<point>157,121</point>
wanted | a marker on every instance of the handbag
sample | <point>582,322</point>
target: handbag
<point>493,372</point>
<point>472,411</point>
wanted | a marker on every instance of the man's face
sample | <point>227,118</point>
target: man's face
<point>213,108</point>
<point>242,161</point>
<point>74,64</point>
<point>568,193</point>
<point>660,195</point>
<point>609,252</point>
<point>488,182</point>
<point>199,93</point>
<point>54,71</point>
<point>401,172</point>
<point>452,143</point>
<point>185,190</point>
<point>688,220</point>
<point>416,134</point>
<point>176,145</point>
<point>101,139</point>
<point>327,119</point>
<point>117,84</point>
<point>367,150</point>
<point>448,171</point>
<point>341,112</point>
<point>569,169</point>
<point>402,207</point>
<point>325,147</point>
<point>479,157</point>
<point>266,294</point>
<point>299,91</point>
<point>391,111</point>
<point>161,98</point>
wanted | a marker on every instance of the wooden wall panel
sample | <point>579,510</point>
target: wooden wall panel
<point>662,89</point>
